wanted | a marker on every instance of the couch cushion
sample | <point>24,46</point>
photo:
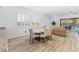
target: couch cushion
<point>59,31</point>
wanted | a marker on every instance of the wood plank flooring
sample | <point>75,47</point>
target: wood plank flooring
<point>57,44</point>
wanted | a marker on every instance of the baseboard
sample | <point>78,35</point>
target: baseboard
<point>16,37</point>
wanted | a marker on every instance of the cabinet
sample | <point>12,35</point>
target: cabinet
<point>3,40</point>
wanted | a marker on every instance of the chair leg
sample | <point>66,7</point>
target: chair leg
<point>51,37</point>
<point>47,38</point>
<point>43,40</point>
<point>31,40</point>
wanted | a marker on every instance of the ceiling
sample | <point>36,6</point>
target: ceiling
<point>55,10</point>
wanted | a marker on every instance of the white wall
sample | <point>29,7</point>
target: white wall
<point>8,18</point>
<point>70,16</point>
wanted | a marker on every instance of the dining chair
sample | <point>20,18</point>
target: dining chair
<point>48,31</point>
<point>44,36</point>
<point>32,36</point>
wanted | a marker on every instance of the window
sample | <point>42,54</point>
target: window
<point>20,20</point>
<point>27,20</point>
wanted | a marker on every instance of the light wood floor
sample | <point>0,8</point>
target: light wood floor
<point>57,44</point>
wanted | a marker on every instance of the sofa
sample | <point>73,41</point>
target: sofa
<point>59,31</point>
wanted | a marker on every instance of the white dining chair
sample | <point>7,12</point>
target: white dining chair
<point>32,36</point>
<point>44,36</point>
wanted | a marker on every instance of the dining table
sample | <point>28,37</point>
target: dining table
<point>38,33</point>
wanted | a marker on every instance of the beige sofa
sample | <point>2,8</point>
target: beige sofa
<point>59,31</point>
